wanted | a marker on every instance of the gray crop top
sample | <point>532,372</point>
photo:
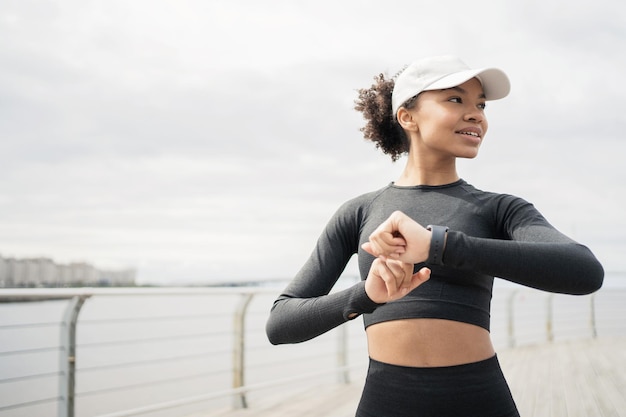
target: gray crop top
<point>491,235</point>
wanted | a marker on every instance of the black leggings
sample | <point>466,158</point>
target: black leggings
<point>472,390</point>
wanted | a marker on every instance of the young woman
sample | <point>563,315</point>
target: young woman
<point>429,246</point>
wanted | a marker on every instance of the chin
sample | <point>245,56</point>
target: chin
<point>468,155</point>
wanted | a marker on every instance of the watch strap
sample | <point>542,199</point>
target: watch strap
<point>437,242</point>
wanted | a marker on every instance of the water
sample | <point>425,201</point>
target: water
<point>141,350</point>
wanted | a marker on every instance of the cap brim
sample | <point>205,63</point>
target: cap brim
<point>495,83</point>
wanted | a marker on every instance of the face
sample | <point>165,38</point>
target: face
<point>449,123</point>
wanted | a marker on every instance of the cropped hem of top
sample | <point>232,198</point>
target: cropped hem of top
<point>490,235</point>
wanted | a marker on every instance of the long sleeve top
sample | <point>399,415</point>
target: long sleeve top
<point>490,235</point>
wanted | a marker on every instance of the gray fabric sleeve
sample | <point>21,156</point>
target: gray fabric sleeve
<point>531,253</point>
<point>567,268</point>
<point>294,320</point>
<point>306,308</point>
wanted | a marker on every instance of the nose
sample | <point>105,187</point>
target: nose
<point>474,115</point>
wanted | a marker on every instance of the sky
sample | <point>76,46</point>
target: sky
<point>204,140</point>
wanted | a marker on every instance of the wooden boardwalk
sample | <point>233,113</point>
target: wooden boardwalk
<point>563,379</point>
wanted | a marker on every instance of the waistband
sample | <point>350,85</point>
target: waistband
<point>472,367</point>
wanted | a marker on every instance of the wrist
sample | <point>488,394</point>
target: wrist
<point>437,244</point>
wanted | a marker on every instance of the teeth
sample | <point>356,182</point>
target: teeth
<point>470,133</point>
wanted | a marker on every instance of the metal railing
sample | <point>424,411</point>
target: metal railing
<point>516,305</point>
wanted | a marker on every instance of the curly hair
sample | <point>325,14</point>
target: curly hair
<point>381,126</point>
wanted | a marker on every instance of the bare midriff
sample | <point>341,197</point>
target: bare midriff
<point>428,342</point>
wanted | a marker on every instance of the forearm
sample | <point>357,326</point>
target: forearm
<point>294,320</point>
<point>562,267</point>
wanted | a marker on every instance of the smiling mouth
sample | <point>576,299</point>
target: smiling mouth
<point>474,134</point>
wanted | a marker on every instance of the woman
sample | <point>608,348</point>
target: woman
<point>425,291</point>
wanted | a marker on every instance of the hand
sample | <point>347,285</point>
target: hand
<point>390,279</point>
<point>400,237</point>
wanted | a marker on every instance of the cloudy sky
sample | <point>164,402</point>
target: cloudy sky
<point>206,140</point>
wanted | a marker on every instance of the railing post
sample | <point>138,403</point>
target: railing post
<point>239,399</point>
<point>68,356</point>
<point>511,319</point>
<point>592,316</point>
<point>342,354</point>
<point>549,320</point>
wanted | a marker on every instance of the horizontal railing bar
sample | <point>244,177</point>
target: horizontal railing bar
<point>287,360</point>
<point>137,363</point>
<point>223,393</point>
<point>157,338</point>
<point>41,294</point>
<point>29,403</point>
<point>151,318</point>
<point>27,377</point>
<point>146,340</point>
<point>266,365</point>
<point>114,343</point>
<point>31,350</point>
<point>144,384</point>
<point>29,325</point>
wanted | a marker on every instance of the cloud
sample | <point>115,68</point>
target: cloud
<point>197,140</point>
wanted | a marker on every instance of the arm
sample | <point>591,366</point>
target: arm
<point>561,267</point>
<point>297,319</point>
<point>305,309</point>
<point>529,251</point>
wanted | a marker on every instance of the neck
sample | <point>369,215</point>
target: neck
<point>428,172</point>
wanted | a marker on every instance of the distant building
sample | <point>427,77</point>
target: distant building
<point>44,272</point>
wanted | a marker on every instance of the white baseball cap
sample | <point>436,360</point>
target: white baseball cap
<point>441,72</point>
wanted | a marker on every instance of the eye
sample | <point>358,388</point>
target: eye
<point>455,100</point>
<point>482,106</point>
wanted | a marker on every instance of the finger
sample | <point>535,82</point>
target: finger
<point>378,244</point>
<point>386,239</point>
<point>392,239</point>
<point>406,280</point>
<point>374,247</point>
<point>397,246</point>
<point>402,273</point>
<point>389,279</point>
<point>386,244</point>
<point>396,267</point>
<point>406,285</point>
<point>367,247</point>
<point>420,277</point>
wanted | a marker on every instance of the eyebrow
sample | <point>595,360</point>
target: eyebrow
<point>462,91</point>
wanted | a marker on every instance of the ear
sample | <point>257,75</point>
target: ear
<point>407,119</point>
